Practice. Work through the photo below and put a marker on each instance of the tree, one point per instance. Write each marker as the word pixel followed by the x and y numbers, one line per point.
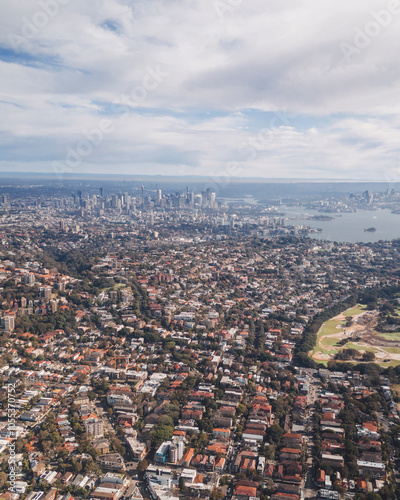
pixel 182 485
pixel 241 409
pixel 3 478
pixel 217 494
pixel 276 433
pixel 368 356
pixel 161 432
pixel 142 465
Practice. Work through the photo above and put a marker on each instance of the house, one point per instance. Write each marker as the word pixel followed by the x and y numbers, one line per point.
pixel 188 457
pixel 284 496
pixel 38 470
pixel 67 478
pixel 245 490
pixel 320 478
pixel 292 440
pixel 220 464
pixel 102 445
pixel 376 470
pixel 111 462
pixel 332 460
pixel 290 454
pixel 220 433
pixel 243 458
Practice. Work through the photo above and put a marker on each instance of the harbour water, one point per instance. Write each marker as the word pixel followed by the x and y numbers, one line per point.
pixel 348 226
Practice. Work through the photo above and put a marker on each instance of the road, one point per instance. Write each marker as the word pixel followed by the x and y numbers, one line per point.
pixel 309 489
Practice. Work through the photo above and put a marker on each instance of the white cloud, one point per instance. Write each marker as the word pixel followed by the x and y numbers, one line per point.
pixel 223 73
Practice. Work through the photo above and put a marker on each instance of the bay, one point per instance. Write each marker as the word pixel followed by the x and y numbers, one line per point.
pixel 348 226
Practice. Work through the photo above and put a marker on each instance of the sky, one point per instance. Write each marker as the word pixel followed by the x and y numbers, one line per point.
pixel 304 89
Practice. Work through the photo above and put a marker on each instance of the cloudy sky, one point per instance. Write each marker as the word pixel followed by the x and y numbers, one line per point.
pixel 304 89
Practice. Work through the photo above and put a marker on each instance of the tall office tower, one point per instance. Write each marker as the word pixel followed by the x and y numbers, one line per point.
pixel 159 196
pixel 114 201
pixel 212 200
pixel 62 225
pixel 101 192
pixel 142 188
pixel 151 219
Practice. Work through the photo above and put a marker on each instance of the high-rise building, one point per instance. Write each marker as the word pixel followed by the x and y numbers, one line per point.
pixel 29 279
pixel 212 200
pixel 181 449
pixel 8 323
pixel 45 292
pixel 159 196
pixel 173 454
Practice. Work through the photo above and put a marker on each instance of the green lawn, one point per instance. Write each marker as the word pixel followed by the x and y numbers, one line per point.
pixel 327 351
pixel 358 309
pixel 390 335
pixel 117 286
pixel 390 363
pixel 392 350
pixel 331 328
pixel 351 345
pixel 329 341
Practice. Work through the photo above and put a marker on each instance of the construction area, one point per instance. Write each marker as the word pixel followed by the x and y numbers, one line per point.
pixel 355 331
